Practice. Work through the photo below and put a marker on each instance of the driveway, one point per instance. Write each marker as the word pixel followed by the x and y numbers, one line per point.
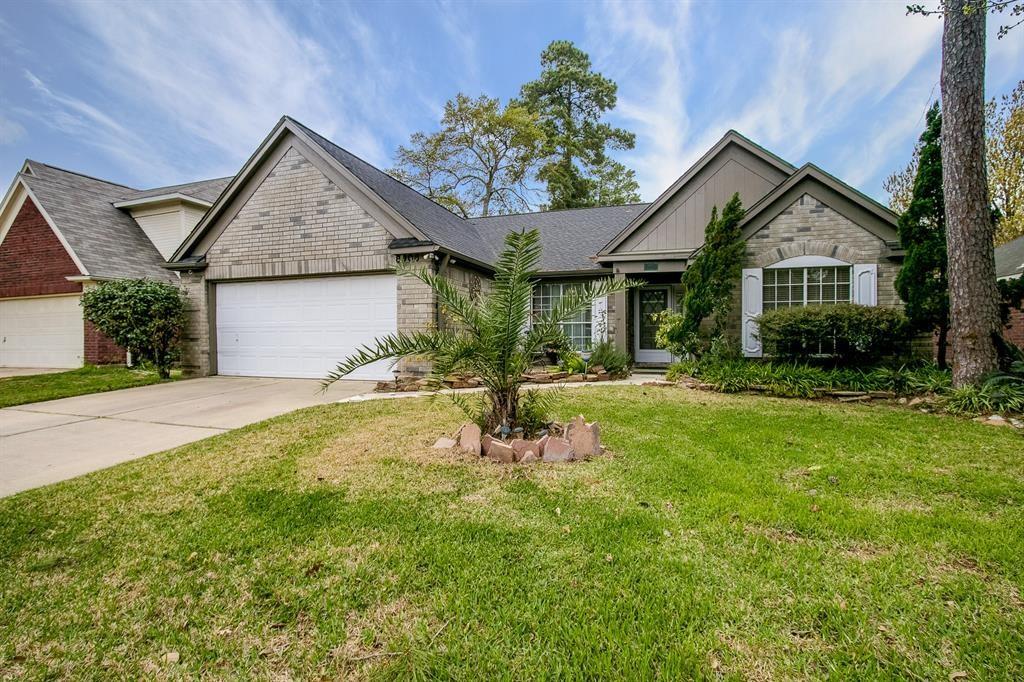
pixel 42 443
pixel 28 371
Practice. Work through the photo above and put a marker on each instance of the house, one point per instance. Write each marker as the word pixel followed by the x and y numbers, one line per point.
pixel 291 267
pixel 1010 265
pixel 289 270
pixel 60 233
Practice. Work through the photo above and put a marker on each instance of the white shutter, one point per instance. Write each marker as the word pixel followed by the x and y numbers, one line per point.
pixel 865 284
pixel 751 306
pixel 599 320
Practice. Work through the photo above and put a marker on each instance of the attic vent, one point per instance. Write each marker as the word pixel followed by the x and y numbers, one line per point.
pixel 650 267
pixel 27 169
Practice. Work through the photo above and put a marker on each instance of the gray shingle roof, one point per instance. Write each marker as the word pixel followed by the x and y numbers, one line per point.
pixel 107 241
pixel 204 190
pixel 568 238
pixel 442 226
pixel 1010 258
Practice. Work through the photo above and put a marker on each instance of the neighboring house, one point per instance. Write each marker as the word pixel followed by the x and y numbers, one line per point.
pixel 1010 265
pixel 291 268
pixel 61 232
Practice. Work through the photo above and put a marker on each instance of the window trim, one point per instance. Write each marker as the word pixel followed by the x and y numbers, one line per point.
pixel 805 283
pixel 588 324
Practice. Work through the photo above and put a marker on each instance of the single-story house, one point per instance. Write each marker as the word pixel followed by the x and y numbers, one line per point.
pixel 1010 265
pixel 291 267
pixel 60 233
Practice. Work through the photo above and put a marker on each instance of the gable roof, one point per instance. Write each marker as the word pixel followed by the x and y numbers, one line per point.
pixel 841 197
pixel 440 225
pixel 203 192
pixel 731 137
pixel 1010 259
pixel 107 241
pixel 569 238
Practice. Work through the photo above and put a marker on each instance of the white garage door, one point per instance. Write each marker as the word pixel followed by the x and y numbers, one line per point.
pixel 303 327
pixel 41 332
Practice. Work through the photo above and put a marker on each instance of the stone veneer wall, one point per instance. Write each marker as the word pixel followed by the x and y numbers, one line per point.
pixel 299 223
pixel 809 227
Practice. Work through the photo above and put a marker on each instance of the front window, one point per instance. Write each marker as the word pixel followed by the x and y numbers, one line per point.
pixel 577 328
pixel 788 287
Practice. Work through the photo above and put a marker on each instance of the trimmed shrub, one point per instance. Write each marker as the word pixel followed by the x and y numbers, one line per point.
pixel 611 358
pixel 844 332
pixel 140 315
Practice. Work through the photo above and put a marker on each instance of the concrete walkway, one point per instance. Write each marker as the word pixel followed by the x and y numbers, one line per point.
pixel 46 442
pixel 6 372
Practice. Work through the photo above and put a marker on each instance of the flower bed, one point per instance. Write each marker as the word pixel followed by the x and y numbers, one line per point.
pixel 573 441
pixel 540 375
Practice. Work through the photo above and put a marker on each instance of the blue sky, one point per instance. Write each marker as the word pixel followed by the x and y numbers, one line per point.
pixel 151 93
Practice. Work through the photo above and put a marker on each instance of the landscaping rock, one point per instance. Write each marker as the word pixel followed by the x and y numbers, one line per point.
pixel 848 394
pixel 555 376
pixel 854 398
pixel 469 438
pixel 584 438
pixel 541 443
pixel 485 444
pixel 501 452
pixel 993 420
pixel 444 443
pixel 574 378
pixel 884 395
pixel 558 450
pixel 521 446
pixel 529 458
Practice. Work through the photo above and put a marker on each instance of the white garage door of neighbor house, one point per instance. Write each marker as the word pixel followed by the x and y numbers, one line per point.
pixel 303 327
pixel 41 332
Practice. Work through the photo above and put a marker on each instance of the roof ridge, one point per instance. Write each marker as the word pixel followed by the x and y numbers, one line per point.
pixel 182 184
pixel 375 167
pixel 83 175
pixel 559 210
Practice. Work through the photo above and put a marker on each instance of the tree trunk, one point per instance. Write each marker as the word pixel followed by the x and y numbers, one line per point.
pixel 973 296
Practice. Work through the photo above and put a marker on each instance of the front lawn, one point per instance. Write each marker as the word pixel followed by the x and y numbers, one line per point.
pixel 89 379
pixel 725 536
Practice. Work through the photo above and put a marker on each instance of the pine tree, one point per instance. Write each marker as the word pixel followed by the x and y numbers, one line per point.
pixel 922 282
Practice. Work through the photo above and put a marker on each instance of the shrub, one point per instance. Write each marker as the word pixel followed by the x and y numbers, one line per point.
pixel 572 362
pixel 791 379
pixel 845 332
pixel 142 316
pixel 611 358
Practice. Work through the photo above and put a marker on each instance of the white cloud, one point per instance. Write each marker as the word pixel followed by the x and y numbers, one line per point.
pixel 655 109
pixel 10 131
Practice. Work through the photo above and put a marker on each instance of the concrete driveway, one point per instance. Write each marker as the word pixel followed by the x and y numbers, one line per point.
pixel 42 443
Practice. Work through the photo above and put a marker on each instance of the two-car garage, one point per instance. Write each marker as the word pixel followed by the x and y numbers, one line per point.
pixel 302 327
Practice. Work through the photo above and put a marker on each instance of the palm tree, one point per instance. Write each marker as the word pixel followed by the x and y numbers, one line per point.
pixel 492 337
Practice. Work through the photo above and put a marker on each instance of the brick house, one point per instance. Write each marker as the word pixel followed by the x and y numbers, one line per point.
pixel 1010 265
pixel 290 267
pixel 62 232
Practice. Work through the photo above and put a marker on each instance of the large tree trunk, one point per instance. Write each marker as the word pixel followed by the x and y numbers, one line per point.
pixel 973 296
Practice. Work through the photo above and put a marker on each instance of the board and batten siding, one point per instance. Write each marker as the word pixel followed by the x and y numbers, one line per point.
pixel 679 224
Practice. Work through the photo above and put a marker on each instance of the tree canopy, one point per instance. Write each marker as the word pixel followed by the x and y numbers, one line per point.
pixel 481 160
pixel 570 99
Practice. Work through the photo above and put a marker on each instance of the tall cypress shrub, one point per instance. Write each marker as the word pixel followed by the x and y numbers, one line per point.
pixel 922 282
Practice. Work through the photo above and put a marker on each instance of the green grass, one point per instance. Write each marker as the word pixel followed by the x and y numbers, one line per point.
pixel 89 379
pixel 738 537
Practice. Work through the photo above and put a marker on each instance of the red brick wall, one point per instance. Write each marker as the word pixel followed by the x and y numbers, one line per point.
pixel 1014 329
pixel 33 262
pixel 99 349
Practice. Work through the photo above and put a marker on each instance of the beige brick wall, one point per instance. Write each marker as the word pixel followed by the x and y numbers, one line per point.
pixel 298 223
pixel 417 311
pixel 809 227
pixel 195 358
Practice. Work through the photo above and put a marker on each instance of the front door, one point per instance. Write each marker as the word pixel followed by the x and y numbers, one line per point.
pixel 650 301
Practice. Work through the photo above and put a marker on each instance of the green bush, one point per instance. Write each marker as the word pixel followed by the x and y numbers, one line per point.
pixel 844 332
pixel 606 355
pixel 572 362
pixel 140 315
pixel 792 379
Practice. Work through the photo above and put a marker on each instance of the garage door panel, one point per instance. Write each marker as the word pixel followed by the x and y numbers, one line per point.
pixel 41 332
pixel 303 327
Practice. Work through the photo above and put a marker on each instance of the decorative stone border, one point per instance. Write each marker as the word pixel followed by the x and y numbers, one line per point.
pixel 577 440
pixel 410 383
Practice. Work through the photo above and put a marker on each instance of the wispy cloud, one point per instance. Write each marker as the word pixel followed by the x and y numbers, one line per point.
pixel 647 54
pixel 10 131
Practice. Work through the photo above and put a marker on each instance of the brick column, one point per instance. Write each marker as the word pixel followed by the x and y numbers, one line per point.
pixel 417 311
pixel 196 348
